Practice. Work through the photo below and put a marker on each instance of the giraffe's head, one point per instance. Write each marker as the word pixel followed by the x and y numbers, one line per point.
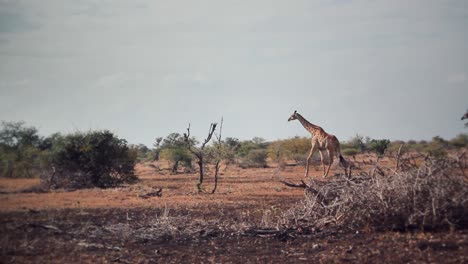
pixel 293 116
pixel 465 116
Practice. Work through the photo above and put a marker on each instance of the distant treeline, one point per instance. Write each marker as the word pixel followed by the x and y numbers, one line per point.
pixel 256 152
pixel 106 160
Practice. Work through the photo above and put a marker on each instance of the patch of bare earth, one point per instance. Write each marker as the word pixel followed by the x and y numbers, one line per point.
pixel 237 224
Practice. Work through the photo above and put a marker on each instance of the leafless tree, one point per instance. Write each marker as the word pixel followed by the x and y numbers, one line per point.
pixel 200 154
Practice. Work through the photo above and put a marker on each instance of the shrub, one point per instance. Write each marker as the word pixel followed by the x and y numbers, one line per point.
pixel 177 155
pixel 295 148
pixel 358 142
pixel 174 149
pixel 232 143
pixel 19 152
pixel 96 158
pixel 437 148
pixel 395 146
pixel 246 146
pixel 223 150
pixel 350 151
pixel 460 141
pixel 379 146
pixel 143 152
pixel 255 159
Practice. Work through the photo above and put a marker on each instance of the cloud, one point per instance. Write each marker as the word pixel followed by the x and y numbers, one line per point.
pixel 14 22
pixel 13 19
pixel 6 85
pixel 99 59
pixel 457 78
pixel 4 41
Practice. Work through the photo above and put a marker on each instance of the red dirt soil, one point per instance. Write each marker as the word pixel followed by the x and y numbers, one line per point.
pixel 182 226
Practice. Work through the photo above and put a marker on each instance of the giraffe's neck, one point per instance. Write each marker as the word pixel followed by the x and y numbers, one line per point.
pixel 313 129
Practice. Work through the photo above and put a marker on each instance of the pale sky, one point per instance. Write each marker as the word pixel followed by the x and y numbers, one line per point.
pixel 143 69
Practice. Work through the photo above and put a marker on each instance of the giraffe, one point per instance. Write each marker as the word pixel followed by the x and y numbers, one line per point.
pixel 465 116
pixel 321 140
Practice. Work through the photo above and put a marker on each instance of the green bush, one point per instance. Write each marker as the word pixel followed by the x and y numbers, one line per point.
pixel 96 158
pixel 350 151
pixel 246 146
pixel 395 146
pixel 143 152
pixel 460 141
pixel 437 148
pixel 177 155
pixel 20 155
pixel 256 158
pixel 174 149
pixel 296 148
pixel 379 145
pixel 358 142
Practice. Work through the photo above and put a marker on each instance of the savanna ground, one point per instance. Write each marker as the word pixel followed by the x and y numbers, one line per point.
pixel 236 224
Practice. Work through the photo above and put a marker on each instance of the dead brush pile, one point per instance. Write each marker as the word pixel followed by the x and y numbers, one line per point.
pixel 433 195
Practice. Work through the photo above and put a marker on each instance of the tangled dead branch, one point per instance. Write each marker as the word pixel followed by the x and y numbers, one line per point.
pixel 429 196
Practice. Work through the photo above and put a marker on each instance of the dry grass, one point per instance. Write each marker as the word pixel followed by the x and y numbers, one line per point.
pixel 236 186
pixel 431 195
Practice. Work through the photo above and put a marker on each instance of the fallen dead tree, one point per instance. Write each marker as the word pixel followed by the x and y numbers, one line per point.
pixel 432 195
pixel 157 193
pixel 295 185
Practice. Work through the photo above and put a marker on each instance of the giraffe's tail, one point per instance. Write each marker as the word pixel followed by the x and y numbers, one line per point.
pixel 343 161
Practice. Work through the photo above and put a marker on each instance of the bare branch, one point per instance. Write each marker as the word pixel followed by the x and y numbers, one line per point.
pixel 188 143
pixel 295 185
pixel 220 130
pixel 210 134
pixel 219 159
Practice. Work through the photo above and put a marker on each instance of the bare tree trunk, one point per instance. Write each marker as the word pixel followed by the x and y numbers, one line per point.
pixel 200 177
pixel 219 158
pixel 175 167
pixel 398 156
pixel 216 177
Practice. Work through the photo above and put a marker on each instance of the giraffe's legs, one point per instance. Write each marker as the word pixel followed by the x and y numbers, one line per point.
pixel 312 150
pixel 321 159
pixel 330 157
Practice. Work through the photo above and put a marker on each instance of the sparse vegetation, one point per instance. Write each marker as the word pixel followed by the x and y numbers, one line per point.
pixel 424 188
